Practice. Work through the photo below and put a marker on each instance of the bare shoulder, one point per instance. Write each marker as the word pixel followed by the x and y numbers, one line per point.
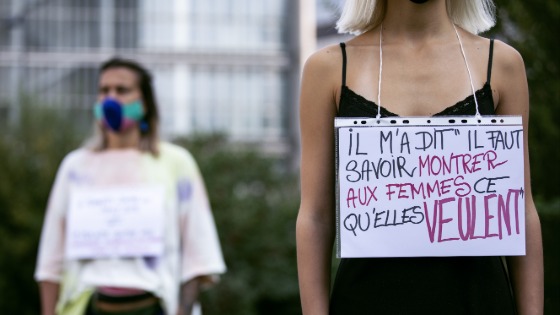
pixel 507 61
pixel 325 62
pixel 477 48
pixel 322 77
pixel 510 79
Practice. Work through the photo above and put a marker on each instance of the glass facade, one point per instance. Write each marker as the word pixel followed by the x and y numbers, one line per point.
pixel 219 65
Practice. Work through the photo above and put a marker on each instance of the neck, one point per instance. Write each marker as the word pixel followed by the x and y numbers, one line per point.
pixel 129 139
pixel 413 22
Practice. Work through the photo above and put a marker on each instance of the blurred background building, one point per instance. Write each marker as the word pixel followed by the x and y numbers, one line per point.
pixel 327 13
pixel 219 65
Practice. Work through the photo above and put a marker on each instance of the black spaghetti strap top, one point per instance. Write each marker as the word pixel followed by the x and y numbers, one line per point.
pixel 352 104
pixel 420 285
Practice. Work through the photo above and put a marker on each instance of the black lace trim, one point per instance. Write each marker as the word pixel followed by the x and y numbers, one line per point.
pixel 353 104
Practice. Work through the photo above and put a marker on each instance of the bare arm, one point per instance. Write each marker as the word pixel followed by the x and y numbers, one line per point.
pixel 189 295
pixel 526 272
pixel 49 297
pixel 315 222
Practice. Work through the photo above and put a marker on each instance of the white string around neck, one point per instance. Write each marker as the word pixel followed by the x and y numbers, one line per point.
pixel 381 71
pixel 468 70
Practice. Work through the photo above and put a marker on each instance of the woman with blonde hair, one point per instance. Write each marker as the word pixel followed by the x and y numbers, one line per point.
pixel 409 58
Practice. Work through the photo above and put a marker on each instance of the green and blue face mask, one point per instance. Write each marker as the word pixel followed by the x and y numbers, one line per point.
pixel 116 116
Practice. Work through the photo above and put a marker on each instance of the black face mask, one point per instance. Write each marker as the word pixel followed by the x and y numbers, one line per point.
pixel 419 1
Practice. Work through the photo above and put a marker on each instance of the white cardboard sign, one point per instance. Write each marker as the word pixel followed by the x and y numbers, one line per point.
pixel 115 222
pixel 450 186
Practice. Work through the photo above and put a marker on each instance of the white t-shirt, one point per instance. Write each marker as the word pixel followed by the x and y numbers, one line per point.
pixel 191 246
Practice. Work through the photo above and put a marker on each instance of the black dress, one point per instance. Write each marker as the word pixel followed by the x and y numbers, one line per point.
pixel 425 285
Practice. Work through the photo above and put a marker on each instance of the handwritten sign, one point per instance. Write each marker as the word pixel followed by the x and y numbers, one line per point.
pixel 450 186
pixel 115 222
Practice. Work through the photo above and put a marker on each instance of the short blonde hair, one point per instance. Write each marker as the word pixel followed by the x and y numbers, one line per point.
pixel 360 16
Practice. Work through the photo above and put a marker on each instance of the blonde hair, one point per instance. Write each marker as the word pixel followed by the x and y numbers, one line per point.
pixel 360 16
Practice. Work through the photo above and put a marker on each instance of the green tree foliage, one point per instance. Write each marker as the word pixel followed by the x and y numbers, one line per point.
pixel 30 153
pixel 531 27
pixel 550 221
pixel 254 203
